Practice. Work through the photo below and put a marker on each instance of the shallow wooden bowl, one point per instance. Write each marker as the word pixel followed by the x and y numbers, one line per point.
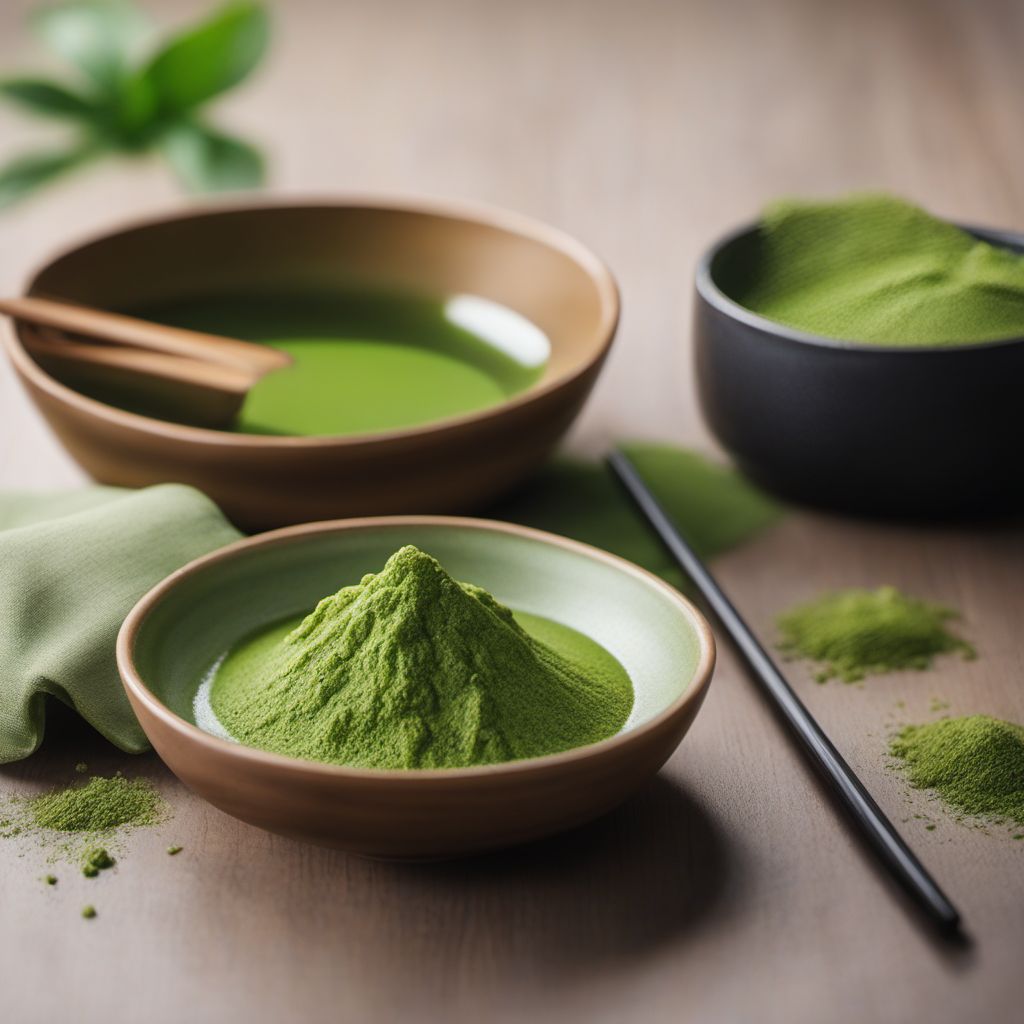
pixel 443 249
pixel 178 630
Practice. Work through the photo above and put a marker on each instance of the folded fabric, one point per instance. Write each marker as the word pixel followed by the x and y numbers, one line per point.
pixel 71 567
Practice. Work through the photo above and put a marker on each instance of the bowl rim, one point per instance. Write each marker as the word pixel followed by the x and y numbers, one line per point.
pixel 470 211
pixel 708 290
pixel 691 696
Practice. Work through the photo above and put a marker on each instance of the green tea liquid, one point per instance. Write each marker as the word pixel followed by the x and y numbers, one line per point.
pixel 366 362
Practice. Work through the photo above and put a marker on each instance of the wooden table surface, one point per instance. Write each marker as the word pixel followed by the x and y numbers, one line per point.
pixel 728 890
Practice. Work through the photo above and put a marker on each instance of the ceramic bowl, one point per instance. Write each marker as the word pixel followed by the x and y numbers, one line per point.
pixel 442 249
pixel 929 433
pixel 178 630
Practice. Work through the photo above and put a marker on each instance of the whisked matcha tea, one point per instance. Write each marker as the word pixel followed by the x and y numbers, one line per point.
pixel 367 361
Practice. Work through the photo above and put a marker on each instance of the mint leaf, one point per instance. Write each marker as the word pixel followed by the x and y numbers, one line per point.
pixel 98 37
pixel 206 160
pixel 26 173
pixel 48 98
pixel 209 59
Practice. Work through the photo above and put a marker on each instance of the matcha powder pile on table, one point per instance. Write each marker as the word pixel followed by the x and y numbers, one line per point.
pixel 99 806
pixel 411 669
pixel 975 764
pixel 856 633
pixel 79 819
pixel 876 269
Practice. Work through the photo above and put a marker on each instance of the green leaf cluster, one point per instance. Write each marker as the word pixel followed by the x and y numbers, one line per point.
pixel 128 97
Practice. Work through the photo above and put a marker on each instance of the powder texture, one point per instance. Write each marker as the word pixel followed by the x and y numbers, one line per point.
pixel 855 633
pixel 85 823
pixel 99 806
pixel 411 669
pixel 95 860
pixel 876 269
pixel 976 764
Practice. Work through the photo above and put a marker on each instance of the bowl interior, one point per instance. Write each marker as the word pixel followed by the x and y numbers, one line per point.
pixel 422 249
pixel 734 263
pixel 654 635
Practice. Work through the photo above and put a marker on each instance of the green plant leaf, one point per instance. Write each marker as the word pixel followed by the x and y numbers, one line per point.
pixel 50 99
pixel 26 173
pixel 209 59
pixel 127 118
pixel 206 160
pixel 98 37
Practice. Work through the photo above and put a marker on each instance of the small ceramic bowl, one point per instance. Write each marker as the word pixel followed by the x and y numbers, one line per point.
pixel 929 433
pixel 430 248
pixel 179 629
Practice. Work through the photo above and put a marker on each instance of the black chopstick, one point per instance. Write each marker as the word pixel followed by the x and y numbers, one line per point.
pixel 874 826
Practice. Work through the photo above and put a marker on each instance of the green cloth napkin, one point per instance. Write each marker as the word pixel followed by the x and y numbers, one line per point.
pixel 876 269
pixel 71 567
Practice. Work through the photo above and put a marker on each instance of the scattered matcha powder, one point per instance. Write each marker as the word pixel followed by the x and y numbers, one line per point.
pixel 50 879
pixel 96 860
pixel 88 911
pixel 82 823
pixel 856 633
pixel 975 764
pixel 81 768
pixel 174 850
pixel 411 669
pixel 9 828
pixel 98 806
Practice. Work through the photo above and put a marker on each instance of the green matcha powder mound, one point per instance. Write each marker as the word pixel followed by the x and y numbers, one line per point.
pixel 855 633
pixel 99 806
pixel 411 669
pixel 873 268
pixel 976 764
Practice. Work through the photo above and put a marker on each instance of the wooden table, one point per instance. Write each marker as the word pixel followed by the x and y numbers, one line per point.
pixel 729 890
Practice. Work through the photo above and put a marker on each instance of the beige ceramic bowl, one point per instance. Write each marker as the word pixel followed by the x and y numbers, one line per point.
pixel 178 630
pixel 441 249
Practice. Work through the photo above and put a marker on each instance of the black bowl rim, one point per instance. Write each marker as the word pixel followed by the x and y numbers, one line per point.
pixel 709 291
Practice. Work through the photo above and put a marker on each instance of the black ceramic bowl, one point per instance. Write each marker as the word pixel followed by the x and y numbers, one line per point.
pixel 928 433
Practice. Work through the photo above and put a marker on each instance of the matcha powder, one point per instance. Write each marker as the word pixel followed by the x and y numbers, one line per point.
pixel 101 805
pixel 975 764
pixel 411 669
pixel 876 269
pixel 856 633
pixel 79 822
